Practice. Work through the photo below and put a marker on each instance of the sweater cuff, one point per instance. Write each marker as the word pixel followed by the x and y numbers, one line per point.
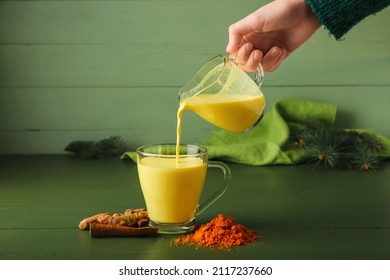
pixel 339 16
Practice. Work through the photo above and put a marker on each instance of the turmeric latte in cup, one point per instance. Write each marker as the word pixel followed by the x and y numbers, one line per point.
pixel 172 184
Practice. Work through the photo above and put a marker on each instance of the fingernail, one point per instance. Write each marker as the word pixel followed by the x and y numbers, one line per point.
pixel 257 55
pixel 233 55
pixel 284 53
pixel 276 52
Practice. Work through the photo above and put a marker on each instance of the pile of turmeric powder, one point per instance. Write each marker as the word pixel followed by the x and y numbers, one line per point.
pixel 221 233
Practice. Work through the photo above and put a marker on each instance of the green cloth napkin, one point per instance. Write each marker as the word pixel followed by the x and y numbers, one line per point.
pixel 268 143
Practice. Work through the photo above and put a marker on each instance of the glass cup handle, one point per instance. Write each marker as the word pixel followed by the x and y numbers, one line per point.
pixel 226 179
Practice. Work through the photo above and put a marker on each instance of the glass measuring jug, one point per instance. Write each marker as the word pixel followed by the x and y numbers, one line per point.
pixel 224 95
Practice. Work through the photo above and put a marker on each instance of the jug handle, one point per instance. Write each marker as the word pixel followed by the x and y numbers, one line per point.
pixel 259 76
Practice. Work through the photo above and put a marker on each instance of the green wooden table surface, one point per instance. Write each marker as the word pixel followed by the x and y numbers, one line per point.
pixel 300 212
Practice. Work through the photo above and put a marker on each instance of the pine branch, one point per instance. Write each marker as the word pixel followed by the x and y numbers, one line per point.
pixel 106 148
pixel 338 148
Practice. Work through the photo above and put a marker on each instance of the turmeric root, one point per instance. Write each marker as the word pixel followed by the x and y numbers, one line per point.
pixel 84 224
pixel 130 218
pixel 105 230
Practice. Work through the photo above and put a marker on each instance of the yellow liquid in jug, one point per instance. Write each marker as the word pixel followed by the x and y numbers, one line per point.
pixel 172 187
pixel 232 112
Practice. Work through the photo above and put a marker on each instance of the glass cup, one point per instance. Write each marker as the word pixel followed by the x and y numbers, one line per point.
pixel 172 184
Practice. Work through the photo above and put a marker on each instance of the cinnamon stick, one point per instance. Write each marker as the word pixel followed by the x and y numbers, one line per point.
pixel 107 230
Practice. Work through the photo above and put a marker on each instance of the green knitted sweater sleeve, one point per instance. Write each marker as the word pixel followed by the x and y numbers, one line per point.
pixel 339 16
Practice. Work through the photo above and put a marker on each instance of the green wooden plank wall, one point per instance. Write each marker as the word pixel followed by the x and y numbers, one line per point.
pixel 75 70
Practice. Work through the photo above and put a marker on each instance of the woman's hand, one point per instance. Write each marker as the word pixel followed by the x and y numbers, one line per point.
pixel 271 34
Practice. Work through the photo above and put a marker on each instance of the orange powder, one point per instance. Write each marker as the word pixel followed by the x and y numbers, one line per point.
pixel 222 233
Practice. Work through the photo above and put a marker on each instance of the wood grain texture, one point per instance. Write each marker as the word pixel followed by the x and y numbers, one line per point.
pixel 90 69
pixel 81 188
pixel 148 115
pixel 300 212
